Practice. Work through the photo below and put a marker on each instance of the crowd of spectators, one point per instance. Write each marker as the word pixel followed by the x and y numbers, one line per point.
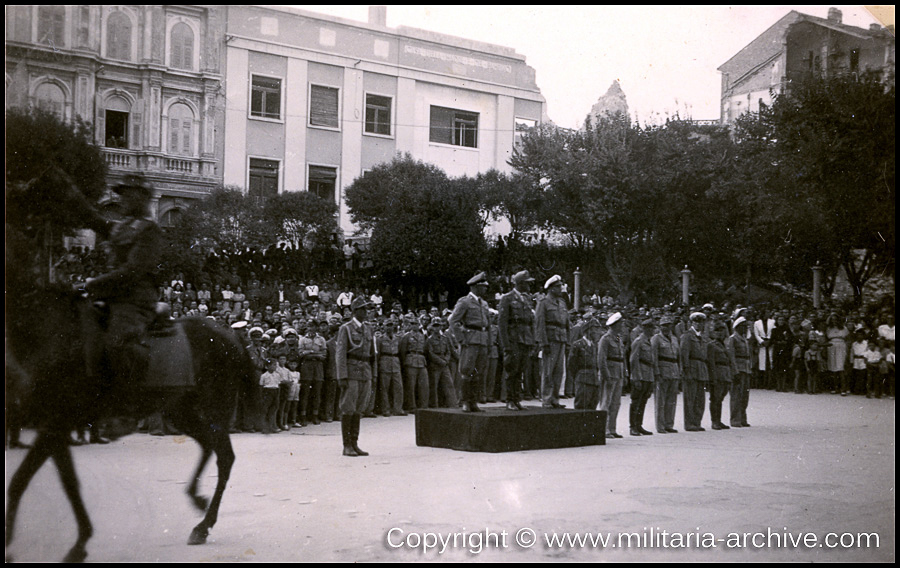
pixel 801 350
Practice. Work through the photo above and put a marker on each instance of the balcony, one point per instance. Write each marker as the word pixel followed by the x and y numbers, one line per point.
pixel 122 160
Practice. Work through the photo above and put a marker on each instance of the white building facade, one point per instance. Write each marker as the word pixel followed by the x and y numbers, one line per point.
pixel 314 101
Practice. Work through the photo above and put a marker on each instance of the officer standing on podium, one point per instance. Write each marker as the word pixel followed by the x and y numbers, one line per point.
pixel 516 329
pixel 470 323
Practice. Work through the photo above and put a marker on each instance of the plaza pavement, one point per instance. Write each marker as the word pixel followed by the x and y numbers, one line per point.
pixel 809 464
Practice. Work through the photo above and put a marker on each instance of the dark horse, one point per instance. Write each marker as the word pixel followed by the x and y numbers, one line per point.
pixel 48 370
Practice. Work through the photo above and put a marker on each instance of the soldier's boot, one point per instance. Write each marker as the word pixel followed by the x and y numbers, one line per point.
pixel 346 429
pixel 355 436
pixel 640 422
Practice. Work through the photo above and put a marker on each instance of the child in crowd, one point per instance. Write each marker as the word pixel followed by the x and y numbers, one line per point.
pixel 293 393
pixel 858 370
pixel 268 408
pixel 874 378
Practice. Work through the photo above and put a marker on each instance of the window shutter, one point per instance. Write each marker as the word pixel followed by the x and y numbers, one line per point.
pixel 186 137
pixel 173 135
pixel 323 106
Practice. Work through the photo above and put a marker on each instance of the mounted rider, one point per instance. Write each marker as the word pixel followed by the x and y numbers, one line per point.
pixel 129 287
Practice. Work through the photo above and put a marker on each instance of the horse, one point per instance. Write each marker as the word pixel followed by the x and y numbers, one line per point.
pixel 49 370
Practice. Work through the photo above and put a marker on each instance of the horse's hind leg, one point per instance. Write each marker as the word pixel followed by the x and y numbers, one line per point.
pixel 63 458
pixel 199 501
pixel 33 461
pixel 224 460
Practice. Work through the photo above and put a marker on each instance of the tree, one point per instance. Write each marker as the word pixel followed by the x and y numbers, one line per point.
pixel 53 171
pixel 301 218
pixel 513 197
pixel 425 227
pixel 833 141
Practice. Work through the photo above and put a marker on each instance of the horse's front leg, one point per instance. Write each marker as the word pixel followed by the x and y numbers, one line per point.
pixel 199 501
pixel 59 450
pixel 224 461
pixel 33 461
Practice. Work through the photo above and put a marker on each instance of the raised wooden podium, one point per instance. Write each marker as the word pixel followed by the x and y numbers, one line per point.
pixel 502 430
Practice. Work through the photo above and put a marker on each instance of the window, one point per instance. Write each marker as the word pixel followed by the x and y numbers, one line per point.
pixel 854 60
pixel 52 25
pixel 323 106
pixel 378 115
pixel 118 36
pixel 265 98
pixel 181 53
pixel 116 129
pixel 456 127
pixel 323 181
pixel 170 218
pixel 263 179
pixel 181 122
pixel 50 97
pixel 523 125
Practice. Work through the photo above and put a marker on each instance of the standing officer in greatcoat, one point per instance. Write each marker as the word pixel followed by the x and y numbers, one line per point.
pixel 354 359
pixel 696 373
pixel 516 330
pixel 551 332
pixel 470 323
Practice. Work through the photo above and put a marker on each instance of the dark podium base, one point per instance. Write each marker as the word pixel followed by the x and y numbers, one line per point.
pixel 501 430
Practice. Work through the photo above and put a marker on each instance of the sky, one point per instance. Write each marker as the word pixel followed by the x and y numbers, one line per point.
pixel 664 57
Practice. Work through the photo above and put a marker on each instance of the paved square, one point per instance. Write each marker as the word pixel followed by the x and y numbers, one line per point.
pixel 809 464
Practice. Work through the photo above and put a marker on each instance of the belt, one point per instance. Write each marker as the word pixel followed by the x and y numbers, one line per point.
pixel 668 359
pixel 394 355
pixel 646 362
pixel 476 327
pixel 698 359
pixel 859 356
pixel 741 356
pixel 356 357
pixel 415 352
pixel 617 359
pixel 553 324
pixel 723 364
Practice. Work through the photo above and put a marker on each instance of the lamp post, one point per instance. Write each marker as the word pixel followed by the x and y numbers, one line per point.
pixel 577 288
pixel 686 286
pixel 817 286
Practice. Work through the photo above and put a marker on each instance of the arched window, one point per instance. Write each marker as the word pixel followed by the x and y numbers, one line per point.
pixel 181 54
pixel 51 98
pixel 181 121
pixel 117 115
pixel 170 218
pixel 52 25
pixel 118 36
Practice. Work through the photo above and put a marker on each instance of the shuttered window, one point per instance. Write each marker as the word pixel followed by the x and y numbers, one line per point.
pixel 323 181
pixel 181 53
pixel 118 36
pixel 181 119
pixel 323 106
pixel 52 25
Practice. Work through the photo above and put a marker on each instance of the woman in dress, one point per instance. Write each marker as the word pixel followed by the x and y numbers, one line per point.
pixel 836 332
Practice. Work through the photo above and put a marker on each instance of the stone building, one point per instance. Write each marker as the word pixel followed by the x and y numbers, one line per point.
pixel 795 46
pixel 148 78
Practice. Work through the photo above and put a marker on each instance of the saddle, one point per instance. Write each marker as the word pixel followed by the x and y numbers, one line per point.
pixel 170 356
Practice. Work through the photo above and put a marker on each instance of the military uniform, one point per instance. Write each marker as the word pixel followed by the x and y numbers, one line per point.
pixel 720 373
pixel 130 293
pixel 516 334
pixel 611 362
pixel 551 332
pixel 354 359
pixel 696 375
pixel 313 353
pixel 389 374
pixel 582 368
pixel 642 379
pixel 667 370
pixel 437 353
pixel 415 383
pixel 470 323
pixel 739 351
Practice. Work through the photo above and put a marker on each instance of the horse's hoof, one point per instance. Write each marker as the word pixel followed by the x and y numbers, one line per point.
pixel 76 555
pixel 198 537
